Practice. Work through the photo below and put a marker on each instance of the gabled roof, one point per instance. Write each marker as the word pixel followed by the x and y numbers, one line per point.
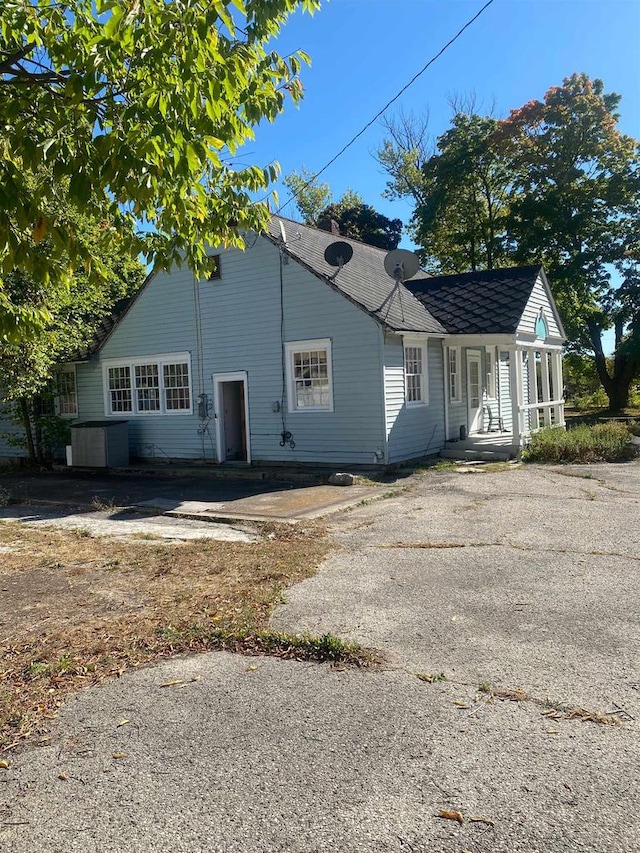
pixel 484 302
pixel 362 281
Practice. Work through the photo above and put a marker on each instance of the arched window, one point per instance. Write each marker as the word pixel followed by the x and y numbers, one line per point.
pixel 542 327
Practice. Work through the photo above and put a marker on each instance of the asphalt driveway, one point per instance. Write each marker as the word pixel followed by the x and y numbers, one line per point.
pixel 524 578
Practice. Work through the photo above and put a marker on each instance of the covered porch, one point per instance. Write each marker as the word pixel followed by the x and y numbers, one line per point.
pixel 500 391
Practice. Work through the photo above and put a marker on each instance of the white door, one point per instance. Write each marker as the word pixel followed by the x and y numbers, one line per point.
pixel 474 391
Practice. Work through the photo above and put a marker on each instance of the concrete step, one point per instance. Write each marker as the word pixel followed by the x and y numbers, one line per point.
pixel 475 455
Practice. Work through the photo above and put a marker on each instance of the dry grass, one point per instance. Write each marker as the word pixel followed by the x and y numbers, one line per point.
pixel 77 609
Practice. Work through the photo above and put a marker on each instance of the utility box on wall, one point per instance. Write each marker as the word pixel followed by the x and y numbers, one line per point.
pixel 100 444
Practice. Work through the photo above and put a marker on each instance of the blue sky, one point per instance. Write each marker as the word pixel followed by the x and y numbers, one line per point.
pixel 364 51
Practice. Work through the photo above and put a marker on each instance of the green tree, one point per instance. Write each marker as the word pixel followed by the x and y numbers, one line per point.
pixel 577 210
pixel 74 312
pixel 460 189
pixel 310 197
pixel 361 222
pixel 142 106
pixel 353 217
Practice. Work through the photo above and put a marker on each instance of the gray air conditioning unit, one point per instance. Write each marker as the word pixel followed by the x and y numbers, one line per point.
pixel 100 444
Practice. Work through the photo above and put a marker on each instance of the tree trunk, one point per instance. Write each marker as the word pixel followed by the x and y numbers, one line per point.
pixel 625 367
pixel 26 423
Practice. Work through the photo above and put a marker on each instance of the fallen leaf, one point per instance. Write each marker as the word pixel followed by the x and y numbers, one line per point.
pixel 481 819
pixel 4 764
pixel 122 723
pixel 250 668
pixel 62 776
pixel 172 683
pixel 450 814
pixel 460 703
pixel 553 731
pixel 120 754
pixel 198 677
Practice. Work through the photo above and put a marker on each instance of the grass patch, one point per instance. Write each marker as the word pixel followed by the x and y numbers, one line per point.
pixel 608 442
pixel 80 609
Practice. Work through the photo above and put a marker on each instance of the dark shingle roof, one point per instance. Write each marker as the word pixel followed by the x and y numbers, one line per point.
pixel 363 280
pixel 486 302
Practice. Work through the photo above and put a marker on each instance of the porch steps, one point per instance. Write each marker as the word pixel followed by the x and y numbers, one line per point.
pixel 475 455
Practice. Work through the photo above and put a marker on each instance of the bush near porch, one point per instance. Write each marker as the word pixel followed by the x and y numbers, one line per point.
pixel 609 442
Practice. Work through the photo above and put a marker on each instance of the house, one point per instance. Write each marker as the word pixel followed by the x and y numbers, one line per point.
pixel 281 357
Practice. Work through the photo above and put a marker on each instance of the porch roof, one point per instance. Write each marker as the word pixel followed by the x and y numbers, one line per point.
pixel 483 302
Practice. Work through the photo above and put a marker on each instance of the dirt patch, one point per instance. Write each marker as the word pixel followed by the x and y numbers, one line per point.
pixel 76 609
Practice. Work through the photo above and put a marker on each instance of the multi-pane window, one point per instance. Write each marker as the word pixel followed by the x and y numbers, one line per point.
pixel 177 395
pixel 153 386
pixel 309 376
pixel 455 388
pixel 147 387
pixel 120 389
pixel 66 395
pixel 414 374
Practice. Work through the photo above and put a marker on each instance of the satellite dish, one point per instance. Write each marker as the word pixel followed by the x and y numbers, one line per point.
pixel 338 254
pixel 401 264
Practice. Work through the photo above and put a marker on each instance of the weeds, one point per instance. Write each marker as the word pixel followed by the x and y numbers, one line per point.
pixel 608 442
pixel 129 606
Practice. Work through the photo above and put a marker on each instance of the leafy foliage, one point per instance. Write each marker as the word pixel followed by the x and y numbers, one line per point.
pixel 353 217
pixel 74 311
pixel 576 208
pixel 555 183
pixel 311 198
pixel 599 443
pixel 141 106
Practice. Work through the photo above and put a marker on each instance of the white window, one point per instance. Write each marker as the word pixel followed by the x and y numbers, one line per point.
pixel 415 374
pixel 66 393
pixel 159 384
pixel 455 385
pixel 490 369
pixel 308 367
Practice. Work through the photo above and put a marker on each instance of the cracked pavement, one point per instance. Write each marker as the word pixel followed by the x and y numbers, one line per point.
pixel 521 578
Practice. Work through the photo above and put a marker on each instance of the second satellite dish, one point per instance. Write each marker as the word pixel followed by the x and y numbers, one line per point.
pixel 338 254
pixel 401 264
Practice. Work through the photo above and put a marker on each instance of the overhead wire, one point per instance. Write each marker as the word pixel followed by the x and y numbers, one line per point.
pixel 386 106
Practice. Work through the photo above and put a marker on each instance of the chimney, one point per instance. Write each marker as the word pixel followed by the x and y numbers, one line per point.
pixel 334 228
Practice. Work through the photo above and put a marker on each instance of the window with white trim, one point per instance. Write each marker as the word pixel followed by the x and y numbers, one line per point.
pixel 455 385
pixel 490 369
pixel 66 393
pixel 415 373
pixel 308 369
pixel 147 386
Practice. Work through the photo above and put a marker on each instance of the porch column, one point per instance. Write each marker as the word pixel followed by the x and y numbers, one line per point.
pixel 534 421
pixel 556 376
pixel 546 386
pixel 515 375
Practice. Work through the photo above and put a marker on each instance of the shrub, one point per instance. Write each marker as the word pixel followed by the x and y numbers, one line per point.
pixel 600 443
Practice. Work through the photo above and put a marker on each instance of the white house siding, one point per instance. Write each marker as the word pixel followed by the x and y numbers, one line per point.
pixel 412 431
pixel 241 321
pixel 537 300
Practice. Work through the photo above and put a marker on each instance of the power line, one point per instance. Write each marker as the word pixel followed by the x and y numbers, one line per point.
pixel 386 106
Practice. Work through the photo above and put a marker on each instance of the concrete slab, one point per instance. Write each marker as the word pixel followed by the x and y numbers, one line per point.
pixel 119 523
pixel 198 497
pixel 286 505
